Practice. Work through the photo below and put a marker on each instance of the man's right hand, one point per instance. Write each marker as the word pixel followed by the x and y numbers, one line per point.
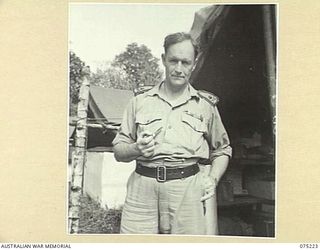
pixel 146 143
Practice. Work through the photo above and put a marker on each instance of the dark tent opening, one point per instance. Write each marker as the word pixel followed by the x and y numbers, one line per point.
pixel 235 67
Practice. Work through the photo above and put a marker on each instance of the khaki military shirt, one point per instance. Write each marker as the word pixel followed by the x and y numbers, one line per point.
pixel 185 131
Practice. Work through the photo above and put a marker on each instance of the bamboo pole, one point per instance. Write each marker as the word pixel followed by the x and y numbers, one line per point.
pixel 99 125
pixel 79 157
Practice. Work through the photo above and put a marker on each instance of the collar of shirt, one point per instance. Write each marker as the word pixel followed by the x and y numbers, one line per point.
pixel 189 93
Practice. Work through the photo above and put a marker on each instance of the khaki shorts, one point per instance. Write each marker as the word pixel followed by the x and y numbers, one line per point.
pixel 172 207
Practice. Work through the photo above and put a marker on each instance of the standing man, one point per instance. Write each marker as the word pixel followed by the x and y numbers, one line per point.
pixel 168 130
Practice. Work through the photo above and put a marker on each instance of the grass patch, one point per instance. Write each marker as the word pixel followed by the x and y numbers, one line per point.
pixel 96 220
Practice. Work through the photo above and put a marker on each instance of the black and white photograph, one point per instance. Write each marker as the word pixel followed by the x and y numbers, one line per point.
pixel 172 119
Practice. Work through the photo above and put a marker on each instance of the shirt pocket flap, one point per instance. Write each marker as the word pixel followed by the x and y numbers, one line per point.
pixel 194 122
pixel 148 118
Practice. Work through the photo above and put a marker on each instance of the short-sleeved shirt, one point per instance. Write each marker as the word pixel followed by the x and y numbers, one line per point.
pixel 185 131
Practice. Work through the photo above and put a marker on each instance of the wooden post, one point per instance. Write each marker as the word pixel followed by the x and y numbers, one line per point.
pixel 270 50
pixel 79 157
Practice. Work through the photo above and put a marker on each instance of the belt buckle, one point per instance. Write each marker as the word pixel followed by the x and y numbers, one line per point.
pixel 161 173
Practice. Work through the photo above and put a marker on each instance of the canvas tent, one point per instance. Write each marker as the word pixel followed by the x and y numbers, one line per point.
pixel 106 106
pixel 105 110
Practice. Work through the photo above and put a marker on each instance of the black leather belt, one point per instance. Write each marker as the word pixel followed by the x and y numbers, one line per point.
pixel 162 173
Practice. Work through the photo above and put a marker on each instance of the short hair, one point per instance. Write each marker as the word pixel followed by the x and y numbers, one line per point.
pixel 178 37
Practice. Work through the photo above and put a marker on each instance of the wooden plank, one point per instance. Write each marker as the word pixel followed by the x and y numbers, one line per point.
pixel 241 201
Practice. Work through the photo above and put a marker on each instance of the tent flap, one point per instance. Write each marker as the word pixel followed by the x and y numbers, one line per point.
pixel 206 25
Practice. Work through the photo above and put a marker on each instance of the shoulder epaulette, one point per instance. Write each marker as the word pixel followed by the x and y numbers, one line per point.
pixel 142 90
pixel 209 97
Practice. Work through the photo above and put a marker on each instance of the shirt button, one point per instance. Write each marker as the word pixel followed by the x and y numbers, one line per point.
pixel 169 127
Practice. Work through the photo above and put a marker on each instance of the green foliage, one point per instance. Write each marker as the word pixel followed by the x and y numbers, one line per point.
pixel 111 77
pixel 133 68
pixel 76 73
pixel 140 65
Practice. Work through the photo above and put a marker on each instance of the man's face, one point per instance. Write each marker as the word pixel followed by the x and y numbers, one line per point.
pixel 178 62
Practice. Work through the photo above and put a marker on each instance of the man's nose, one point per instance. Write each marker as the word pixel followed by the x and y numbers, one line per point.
pixel 178 68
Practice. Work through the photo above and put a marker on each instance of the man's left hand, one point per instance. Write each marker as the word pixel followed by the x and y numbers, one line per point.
pixel 209 187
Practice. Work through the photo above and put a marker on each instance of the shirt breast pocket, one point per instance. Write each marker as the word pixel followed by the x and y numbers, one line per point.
pixel 194 130
pixel 193 123
pixel 151 122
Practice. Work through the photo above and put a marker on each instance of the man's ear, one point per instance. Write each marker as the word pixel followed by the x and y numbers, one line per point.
pixel 163 57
